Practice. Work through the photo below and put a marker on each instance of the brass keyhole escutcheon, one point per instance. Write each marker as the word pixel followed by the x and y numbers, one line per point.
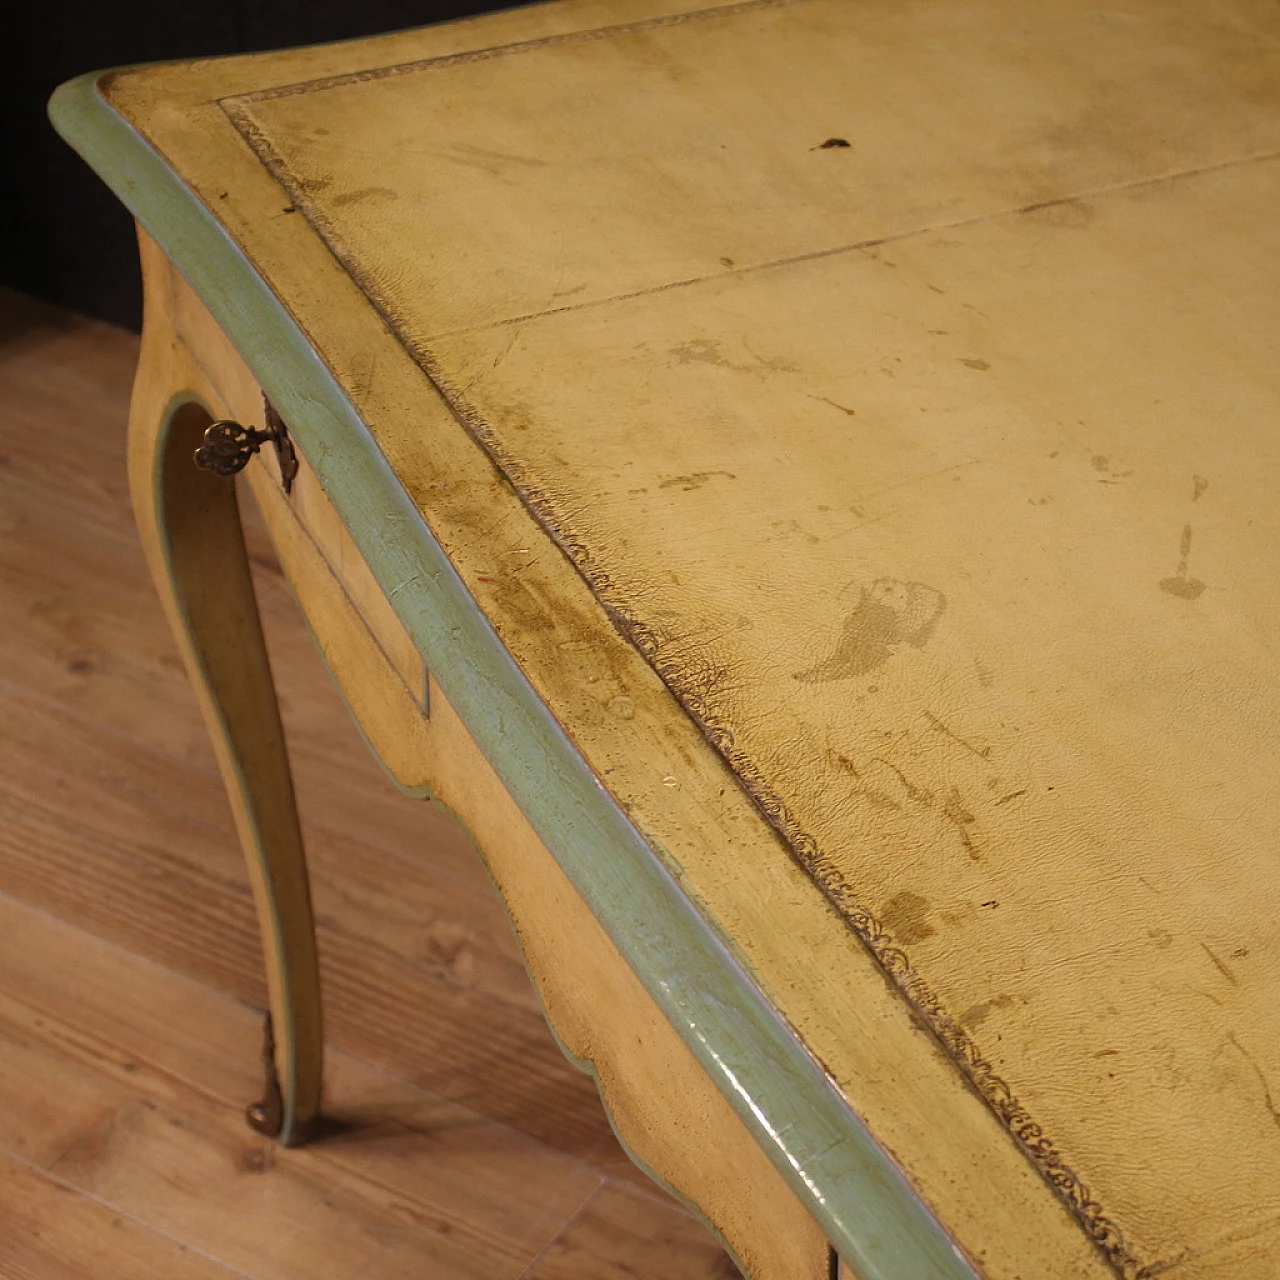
pixel 227 446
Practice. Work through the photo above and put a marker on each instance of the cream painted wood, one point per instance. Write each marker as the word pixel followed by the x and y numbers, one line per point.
pixel 390 718
pixel 665 1109
pixel 997 664
pixel 224 370
pixel 362 640
pixel 190 529
pixel 317 516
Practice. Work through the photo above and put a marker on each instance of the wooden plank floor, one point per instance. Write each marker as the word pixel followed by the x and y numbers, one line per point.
pixel 130 985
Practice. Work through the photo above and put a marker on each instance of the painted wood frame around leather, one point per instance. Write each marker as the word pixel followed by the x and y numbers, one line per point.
pixel 871 1214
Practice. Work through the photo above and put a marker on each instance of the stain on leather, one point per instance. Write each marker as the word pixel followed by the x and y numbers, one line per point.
pixel 363 196
pixel 977 1014
pixel 495 162
pixel 1181 584
pixel 957 813
pixel 694 481
pixel 710 351
pixel 1220 964
pixel 905 915
pixel 983 753
pixel 1267 1096
pixel 888 615
pixel 1071 214
pixel 1101 462
pixel 849 413
pixel 702 351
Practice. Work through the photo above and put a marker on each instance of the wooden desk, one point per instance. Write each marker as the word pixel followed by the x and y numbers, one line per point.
pixel 799 481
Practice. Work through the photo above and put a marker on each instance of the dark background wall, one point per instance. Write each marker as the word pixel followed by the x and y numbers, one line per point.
pixel 63 236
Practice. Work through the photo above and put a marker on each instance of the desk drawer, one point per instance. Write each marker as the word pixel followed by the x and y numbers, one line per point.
pixel 320 523
pixel 378 669
pixel 375 663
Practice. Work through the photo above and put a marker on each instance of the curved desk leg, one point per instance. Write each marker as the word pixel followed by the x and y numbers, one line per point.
pixel 190 527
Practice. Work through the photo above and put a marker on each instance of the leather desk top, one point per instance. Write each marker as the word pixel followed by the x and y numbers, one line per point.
pixel 859 423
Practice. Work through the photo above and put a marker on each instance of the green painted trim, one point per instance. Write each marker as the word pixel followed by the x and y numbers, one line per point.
pixel 819 1144
pixel 586 1065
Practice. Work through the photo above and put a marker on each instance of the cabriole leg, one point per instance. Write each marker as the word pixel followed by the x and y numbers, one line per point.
pixel 190 526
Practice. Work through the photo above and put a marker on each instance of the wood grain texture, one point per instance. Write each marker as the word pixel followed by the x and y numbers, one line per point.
pixel 155 1134
pixel 51 1229
pixel 590 1242
pixel 114 822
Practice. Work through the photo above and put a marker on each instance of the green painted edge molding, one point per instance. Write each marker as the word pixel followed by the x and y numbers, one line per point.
pixel 854 1191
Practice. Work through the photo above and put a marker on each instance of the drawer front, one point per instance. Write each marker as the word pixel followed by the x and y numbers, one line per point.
pixel 376 665
pixel 318 520
pixel 380 673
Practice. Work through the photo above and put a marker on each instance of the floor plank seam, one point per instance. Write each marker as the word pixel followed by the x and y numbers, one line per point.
pixel 221 1100
pixel 209 772
pixel 116 1210
pixel 536 1261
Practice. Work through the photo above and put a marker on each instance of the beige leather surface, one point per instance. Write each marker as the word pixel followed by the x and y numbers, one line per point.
pixel 935 474
pixel 985 617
